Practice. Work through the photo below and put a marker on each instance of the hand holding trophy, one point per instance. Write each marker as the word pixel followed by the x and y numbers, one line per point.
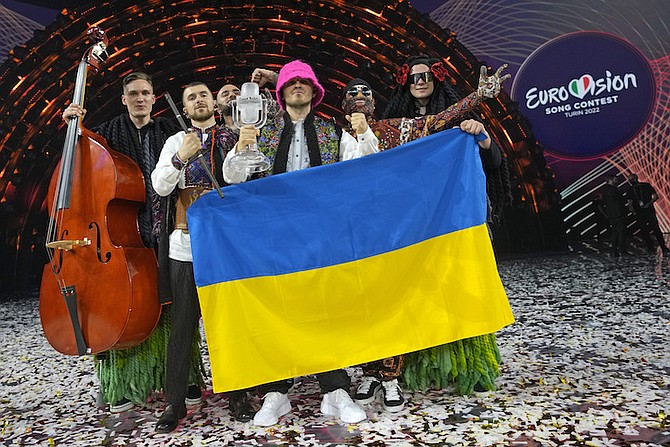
pixel 249 109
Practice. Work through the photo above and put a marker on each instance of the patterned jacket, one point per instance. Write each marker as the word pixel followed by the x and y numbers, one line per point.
pixel 278 132
pixel 393 132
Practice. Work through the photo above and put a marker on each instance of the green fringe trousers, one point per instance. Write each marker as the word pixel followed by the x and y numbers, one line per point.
pixel 463 364
pixel 136 372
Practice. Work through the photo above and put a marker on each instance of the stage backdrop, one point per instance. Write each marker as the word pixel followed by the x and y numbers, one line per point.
pixel 624 45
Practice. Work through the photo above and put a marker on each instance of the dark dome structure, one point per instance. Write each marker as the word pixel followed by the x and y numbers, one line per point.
pixel 220 42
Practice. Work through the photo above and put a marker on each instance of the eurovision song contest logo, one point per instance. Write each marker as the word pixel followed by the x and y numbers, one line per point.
pixel 586 94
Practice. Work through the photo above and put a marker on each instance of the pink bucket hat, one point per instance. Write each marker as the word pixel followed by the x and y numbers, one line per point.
pixel 298 69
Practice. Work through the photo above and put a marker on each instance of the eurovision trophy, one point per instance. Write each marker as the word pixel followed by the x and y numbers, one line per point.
pixel 250 108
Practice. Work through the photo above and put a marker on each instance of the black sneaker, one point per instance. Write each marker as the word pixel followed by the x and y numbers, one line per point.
pixel 193 395
pixel 393 398
pixel 367 390
pixel 121 406
pixel 479 388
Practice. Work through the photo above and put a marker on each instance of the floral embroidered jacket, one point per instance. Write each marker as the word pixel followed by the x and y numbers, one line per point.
pixel 393 132
pixel 326 134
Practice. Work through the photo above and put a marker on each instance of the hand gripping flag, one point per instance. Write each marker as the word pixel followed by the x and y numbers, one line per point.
pixel 338 265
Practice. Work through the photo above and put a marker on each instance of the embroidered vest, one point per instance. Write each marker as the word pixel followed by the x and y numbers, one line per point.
pixel 326 134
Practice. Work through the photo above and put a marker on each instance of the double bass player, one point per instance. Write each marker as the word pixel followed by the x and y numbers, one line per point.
pixel 140 136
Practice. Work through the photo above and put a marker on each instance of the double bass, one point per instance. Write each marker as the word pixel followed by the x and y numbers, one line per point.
pixel 100 288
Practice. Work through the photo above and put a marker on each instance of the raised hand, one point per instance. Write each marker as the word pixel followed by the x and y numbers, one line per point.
pixel 489 86
pixel 248 134
pixel 189 147
pixel 262 76
pixel 358 122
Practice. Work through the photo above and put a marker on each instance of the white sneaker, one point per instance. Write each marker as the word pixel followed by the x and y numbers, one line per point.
pixel 393 398
pixel 275 405
pixel 338 403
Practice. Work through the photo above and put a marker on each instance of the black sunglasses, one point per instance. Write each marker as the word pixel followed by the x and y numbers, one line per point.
pixel 427 76
pixel 356 89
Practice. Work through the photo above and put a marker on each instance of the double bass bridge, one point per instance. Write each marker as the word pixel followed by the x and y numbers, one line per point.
pixel 68 244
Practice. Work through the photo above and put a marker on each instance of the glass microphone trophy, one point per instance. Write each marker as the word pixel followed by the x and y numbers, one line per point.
pixel 250 108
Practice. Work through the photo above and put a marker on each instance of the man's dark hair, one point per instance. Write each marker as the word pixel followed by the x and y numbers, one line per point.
pixel 401 104
pixel 194 84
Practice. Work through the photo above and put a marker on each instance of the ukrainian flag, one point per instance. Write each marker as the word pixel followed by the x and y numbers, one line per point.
pixel 338 265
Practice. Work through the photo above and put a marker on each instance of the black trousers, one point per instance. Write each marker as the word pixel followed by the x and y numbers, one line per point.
pixel 649 226
pixel 329 381
pixel 184 321
pixel 618 235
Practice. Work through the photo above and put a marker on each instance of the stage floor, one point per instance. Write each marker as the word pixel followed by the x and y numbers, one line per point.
pixel 587 363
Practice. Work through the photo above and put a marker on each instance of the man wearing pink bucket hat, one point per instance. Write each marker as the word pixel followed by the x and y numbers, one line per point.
pixel 298 70
pixel 295 139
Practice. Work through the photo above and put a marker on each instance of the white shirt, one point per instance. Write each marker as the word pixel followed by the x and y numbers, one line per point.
pixel 364 144
pixel 165 178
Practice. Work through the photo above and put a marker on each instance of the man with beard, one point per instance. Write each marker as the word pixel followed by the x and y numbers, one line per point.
pixel 293 140
pixel 175 171
pixel 227 94
pixel 363 143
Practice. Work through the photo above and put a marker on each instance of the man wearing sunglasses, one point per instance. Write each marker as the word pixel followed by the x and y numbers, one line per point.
pixel 358 99
pixel 380 378
pixel 358 105
pixel 418 106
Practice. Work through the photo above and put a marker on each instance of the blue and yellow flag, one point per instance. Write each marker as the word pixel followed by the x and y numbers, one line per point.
pixel 338 265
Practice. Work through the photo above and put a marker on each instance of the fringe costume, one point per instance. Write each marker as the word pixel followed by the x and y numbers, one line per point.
pixel 136 372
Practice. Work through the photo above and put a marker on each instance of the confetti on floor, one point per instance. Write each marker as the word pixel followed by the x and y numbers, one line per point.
pixel 587 363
